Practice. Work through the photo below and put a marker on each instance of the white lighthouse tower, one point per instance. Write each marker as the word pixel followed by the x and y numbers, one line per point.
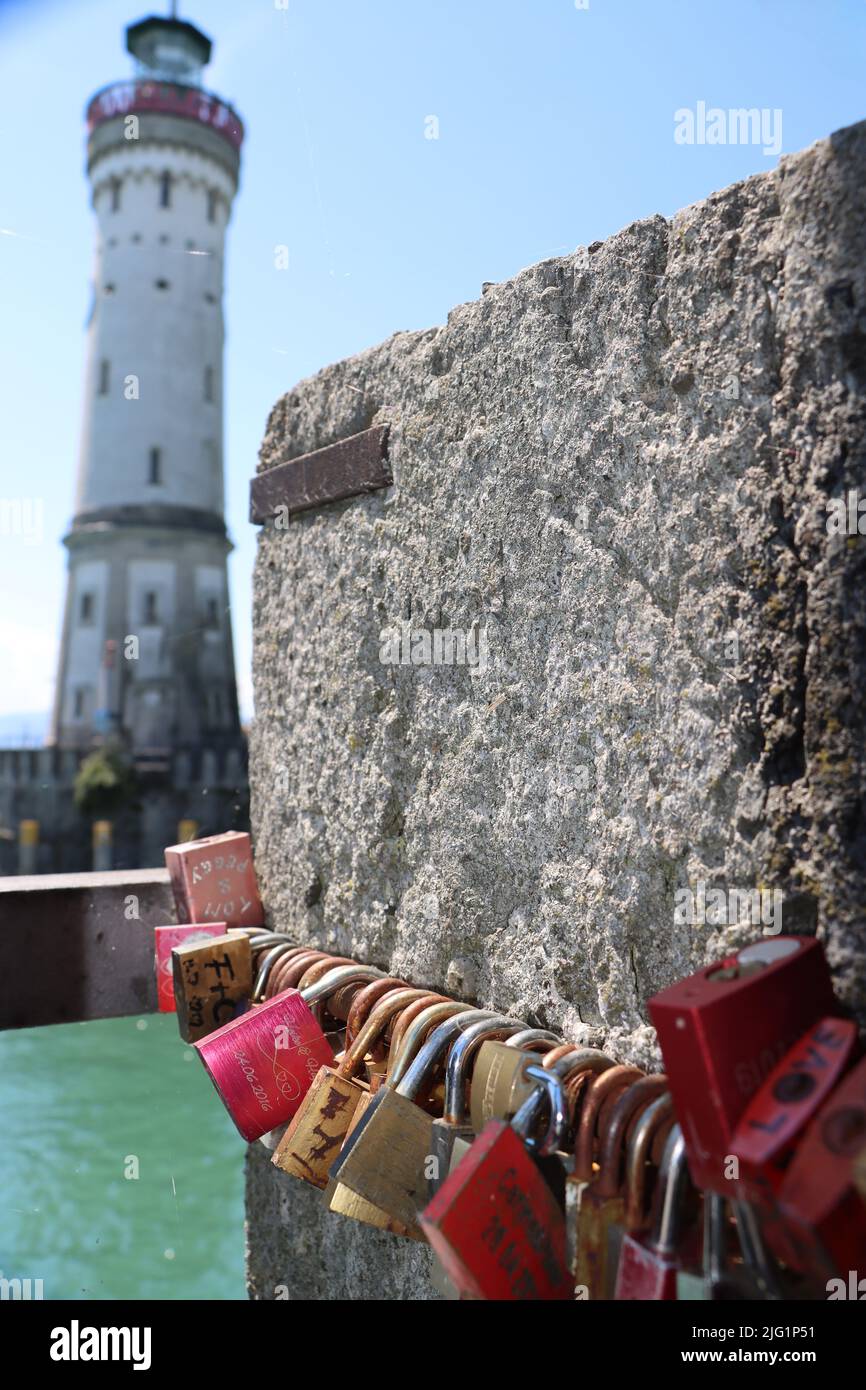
pixel 146 653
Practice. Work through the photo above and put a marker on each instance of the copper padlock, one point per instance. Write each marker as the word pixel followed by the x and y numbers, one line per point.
pixel 603 1203
pixel 608 1080
pixel 499 1085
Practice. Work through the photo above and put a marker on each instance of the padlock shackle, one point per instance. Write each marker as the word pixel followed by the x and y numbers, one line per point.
pixel 671 1190
pixel 463 1051
pixel 341 975
pixel 606 1083
pixel 266 966
pixel 363 1000
pixel 528 1037
pixel 433 1050
pixel 291 969
pixel 640 1144
pixel 397 1057
pixel 317 969
pixel 374 1028
pixel 633 1100
pixel 551 1089
pixel 415 1034
pixel 754 1250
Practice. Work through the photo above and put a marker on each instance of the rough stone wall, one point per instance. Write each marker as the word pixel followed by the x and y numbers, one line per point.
pixel 617 466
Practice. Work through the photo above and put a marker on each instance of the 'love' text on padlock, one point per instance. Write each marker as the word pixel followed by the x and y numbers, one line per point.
pixel 213 880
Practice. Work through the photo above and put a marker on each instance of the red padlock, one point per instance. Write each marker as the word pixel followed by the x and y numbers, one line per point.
pixel 263 1063
pixel 724 1029
pixel 165 939
pixel 648 1265
pixel 766 1137
pixel 494 1223
pixel 818 1202
pixel 214 880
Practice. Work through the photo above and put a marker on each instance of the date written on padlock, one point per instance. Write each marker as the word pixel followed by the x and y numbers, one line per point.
pixel 213 880
pixel 725 1028
pixel 766 1137
pixel 263 1064
pixel 212 984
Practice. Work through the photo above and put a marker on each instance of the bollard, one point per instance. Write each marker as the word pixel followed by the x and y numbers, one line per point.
pixel 28 846
pixel 101 845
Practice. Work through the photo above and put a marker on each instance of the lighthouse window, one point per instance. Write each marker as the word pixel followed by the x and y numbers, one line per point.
pixel 85 610
pixel 211 206
pixel 78 705
pixel 104 374
pixel 209 298
pixel 108 289
pixel 208 383
pixel 115 195
pixel 212 613
pixel 150 612
pixel 165 190
pixel 155 467
pixel 161 284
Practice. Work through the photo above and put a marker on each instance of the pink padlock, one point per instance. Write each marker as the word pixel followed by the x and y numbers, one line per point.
pixel 213 880
pixel 263 1063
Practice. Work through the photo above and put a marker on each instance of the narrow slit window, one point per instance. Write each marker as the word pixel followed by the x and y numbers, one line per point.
pixel 154 464
pixel 212 613
pixel 115 195
pixel 78 705
pixel 85 610
pixel 104 376
pixel 165 190
pixel 151 614
pixel 211 205
pixel 208 383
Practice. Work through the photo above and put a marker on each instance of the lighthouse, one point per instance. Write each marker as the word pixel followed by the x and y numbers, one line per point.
pixel 146 652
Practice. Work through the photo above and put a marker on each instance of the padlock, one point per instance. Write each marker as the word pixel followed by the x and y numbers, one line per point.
pixel 602 1207
pixel 725 1028
pixel 213 880
pixel 385 1158
pixel 212 984
pixel 499 1086
pixel 652 1127
pixel 454 1122
pixel 164 940
pixel 406 1042
pixel 319 1126
pixel 648 1265
pixel 263 1063
pixel 608 1080
pixel 494 1223
pixel 766 1136
pixel 363 1000
pixel 824 1231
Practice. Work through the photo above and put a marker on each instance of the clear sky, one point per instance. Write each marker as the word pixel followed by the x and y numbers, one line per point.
pixel 555 128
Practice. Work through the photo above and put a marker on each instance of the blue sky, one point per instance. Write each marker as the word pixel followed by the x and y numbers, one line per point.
pixel 556 128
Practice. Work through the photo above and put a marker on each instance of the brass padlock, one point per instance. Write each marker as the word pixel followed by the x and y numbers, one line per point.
pixel 318 1128
pixel 499 1085
pixel 212 984
pixel 454 1122
pixel 386 1158
pixel 423 1015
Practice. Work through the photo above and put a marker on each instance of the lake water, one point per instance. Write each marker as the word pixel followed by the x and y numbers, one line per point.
pixel 80 1103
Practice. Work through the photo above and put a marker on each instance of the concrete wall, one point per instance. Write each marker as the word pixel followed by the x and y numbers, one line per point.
pixel 616 470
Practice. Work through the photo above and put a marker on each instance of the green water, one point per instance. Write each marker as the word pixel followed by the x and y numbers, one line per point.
pixel 79 1103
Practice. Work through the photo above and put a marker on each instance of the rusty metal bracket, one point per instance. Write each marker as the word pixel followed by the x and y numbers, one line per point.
pixel 351 468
